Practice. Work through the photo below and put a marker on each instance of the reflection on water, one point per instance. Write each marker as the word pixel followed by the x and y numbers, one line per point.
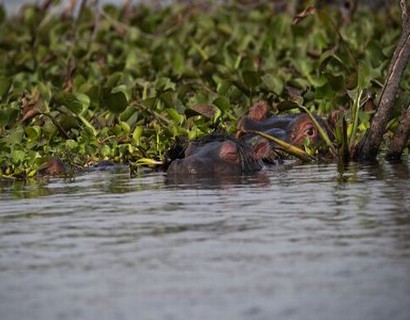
pixel 291 242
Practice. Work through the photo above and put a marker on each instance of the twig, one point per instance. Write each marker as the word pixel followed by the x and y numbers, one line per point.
pixel 55 122
pixel 369 147
pixel 288 148
pixel 156 115
pixel 400 138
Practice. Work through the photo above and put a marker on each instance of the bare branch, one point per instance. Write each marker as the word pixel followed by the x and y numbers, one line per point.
pixel 400 138
pixel 369 148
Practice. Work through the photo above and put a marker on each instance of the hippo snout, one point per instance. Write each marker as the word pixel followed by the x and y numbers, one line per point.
pixel 188 166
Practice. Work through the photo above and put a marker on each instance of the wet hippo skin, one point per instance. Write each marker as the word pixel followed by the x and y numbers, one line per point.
pixel 218 155
pixel 293 128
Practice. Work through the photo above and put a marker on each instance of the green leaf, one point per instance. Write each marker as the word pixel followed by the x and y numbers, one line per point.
pixel 113 80
pixel 45 91
pixel 94 93
pixel 164 84
pixel 273 83
pixel 71 144
pixel 336 82
pixel 287 105
pixel 5 84
pixel 251 78
pixel 68 121
pixel 136 135
pixel 299 83
pixel 224 86
pixel 116 102
pixel 324 92
pixel 8 116
pixel 201 51
pixel 33 133
pixel 105 151
pixel 129 113
pixel 222 103
pixel 83 99
pixel 17 156
pixel 304 66
pixel 88 125
pixel 326 57
pixel 15 137
pixel 178 62
pixel 363 76
pixel 168 98
pixel 125 127
pixel 178 118
pixel 68 100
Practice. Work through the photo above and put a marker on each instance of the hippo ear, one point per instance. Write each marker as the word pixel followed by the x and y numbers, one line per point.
pixel 229 152
pixel 259 111
pixel 260 148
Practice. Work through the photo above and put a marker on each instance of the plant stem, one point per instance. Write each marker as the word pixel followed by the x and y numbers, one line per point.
pixel 355 111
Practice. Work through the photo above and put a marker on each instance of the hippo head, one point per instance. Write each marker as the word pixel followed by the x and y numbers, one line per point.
pixel 303 127
pixel 219 155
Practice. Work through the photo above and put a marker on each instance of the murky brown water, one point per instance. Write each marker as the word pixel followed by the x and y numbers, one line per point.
pixel 295 242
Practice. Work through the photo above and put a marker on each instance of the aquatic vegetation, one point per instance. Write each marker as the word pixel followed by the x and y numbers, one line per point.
pixel 121 83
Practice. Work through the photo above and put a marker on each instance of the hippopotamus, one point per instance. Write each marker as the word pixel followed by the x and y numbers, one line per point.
pixel 219 155
pixel 291 128
pixel 53 167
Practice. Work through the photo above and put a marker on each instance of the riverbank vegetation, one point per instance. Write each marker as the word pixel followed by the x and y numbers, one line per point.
pixel 121 83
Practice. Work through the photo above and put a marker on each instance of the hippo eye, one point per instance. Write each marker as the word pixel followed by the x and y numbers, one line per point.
pixel 310 132
pixel 348 5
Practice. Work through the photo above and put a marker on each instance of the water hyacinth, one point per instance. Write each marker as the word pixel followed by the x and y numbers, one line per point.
pixel 121 82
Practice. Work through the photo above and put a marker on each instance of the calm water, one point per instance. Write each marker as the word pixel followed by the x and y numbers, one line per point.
pixel 295 242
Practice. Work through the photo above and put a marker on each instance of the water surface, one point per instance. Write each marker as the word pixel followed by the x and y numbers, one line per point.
pixel 293 242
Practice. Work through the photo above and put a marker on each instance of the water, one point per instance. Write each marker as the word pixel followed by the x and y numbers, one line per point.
pixel 294 242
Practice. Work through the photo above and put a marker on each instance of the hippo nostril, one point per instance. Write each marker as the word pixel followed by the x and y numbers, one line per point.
pixel 195 166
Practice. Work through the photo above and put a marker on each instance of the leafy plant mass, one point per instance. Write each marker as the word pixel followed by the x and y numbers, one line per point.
pixel 121 83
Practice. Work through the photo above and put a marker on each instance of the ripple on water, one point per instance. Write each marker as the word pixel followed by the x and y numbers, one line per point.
pixel 317 241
